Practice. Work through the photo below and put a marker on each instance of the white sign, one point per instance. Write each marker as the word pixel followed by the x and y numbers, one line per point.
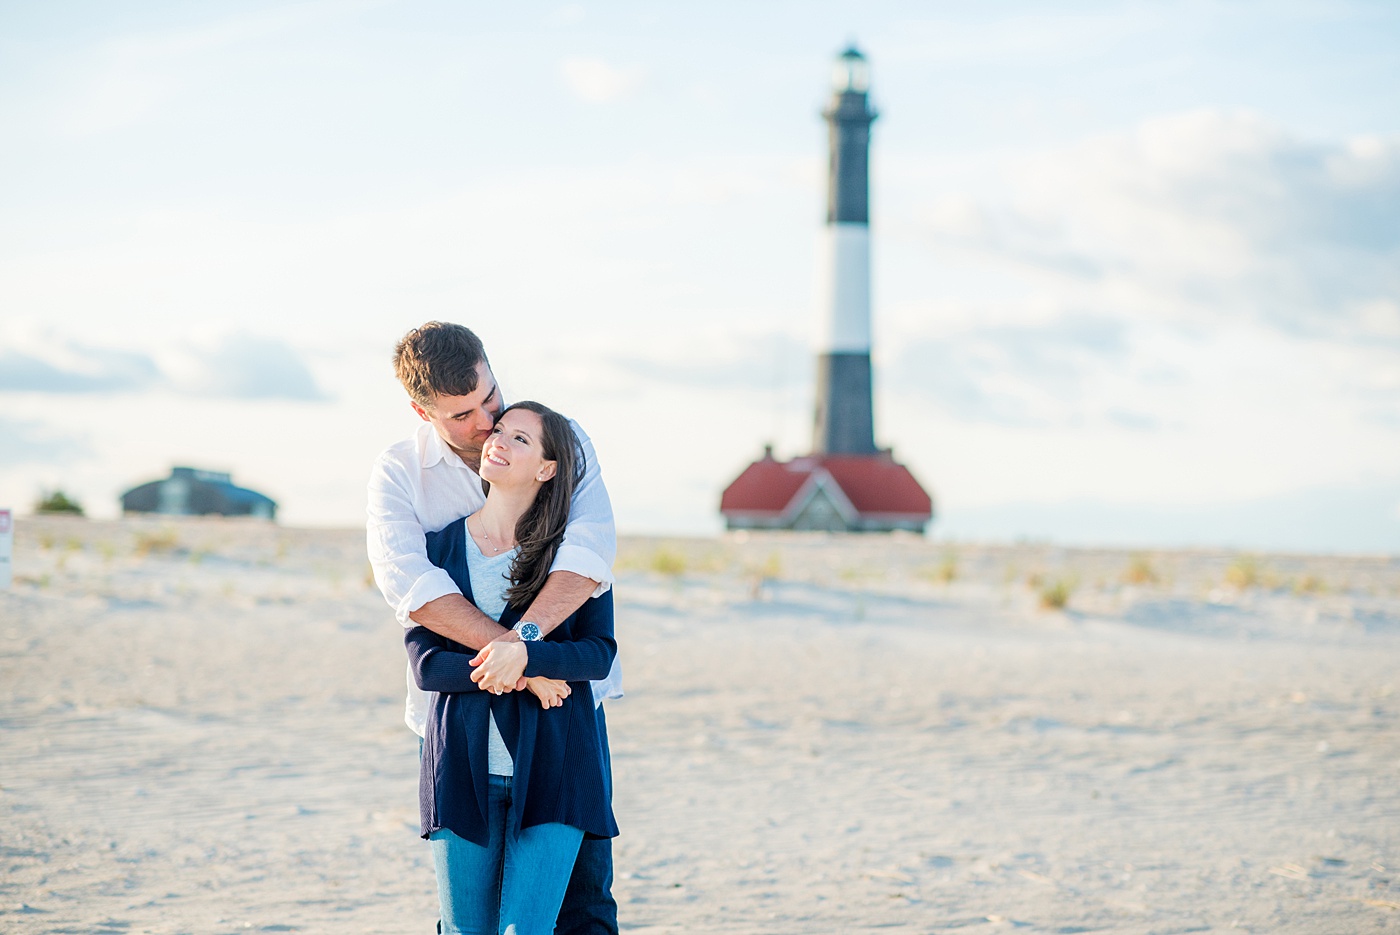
pixel 7 546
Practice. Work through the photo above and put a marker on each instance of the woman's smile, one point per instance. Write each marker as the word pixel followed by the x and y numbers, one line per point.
pixel 513 450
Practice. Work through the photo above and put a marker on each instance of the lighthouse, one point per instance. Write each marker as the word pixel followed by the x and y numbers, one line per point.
pixel 845 410
pixel 847 483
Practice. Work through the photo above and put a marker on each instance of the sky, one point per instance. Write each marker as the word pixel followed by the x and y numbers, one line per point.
pixel 1136 266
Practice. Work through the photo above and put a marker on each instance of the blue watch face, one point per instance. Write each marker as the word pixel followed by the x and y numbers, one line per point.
pixel 528 632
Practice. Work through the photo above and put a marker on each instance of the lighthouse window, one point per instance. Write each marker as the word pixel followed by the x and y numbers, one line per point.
pixel 852 74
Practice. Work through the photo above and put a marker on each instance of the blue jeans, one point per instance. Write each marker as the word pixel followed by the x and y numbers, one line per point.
pixel 513 886
pixel 589 908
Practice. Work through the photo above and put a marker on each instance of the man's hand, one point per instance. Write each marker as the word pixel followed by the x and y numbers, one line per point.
pixel 551 692
pixel 500 666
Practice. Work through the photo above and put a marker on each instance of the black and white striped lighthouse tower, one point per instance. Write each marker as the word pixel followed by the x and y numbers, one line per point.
pixel 845 419
pixel 846 484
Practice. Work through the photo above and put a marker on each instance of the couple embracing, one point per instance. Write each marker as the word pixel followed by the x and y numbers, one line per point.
pixel 491 535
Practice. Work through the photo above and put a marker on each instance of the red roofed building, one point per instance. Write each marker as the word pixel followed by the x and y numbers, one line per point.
pixel 837 493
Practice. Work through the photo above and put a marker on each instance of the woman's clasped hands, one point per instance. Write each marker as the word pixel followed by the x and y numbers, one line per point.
pixel 500 667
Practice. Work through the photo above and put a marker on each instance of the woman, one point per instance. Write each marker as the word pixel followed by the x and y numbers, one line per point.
pixel 509 785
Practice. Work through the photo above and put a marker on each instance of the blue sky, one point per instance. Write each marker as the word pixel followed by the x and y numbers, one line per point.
pixel 1137 266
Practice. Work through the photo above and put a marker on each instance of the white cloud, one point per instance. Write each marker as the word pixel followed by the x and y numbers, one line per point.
pixel 23 441
pixel 62 366
pixel 1031 374
pixel 243 366
pixel 238 366
pixel 1217 214
pixel 597 81
pixel 1202 308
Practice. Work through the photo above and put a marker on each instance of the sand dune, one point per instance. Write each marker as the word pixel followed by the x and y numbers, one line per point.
pixel 201 732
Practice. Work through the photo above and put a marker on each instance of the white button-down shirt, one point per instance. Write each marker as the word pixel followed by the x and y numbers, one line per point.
pixel 419 486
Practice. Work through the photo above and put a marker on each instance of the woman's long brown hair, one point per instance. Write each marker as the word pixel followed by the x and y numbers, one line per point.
pixel 540 529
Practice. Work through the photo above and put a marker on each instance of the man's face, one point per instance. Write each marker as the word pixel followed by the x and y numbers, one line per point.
pixel 465 422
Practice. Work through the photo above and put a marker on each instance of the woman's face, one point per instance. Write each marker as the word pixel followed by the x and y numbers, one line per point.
pixel 514 454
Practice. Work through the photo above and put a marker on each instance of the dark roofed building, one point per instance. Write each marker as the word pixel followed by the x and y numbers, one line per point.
pixel 837 493
pixel 192 492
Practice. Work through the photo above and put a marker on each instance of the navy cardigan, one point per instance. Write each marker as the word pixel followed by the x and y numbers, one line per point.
pixel 561 764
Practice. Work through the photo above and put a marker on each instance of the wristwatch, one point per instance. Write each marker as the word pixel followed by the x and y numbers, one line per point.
pixel 529 632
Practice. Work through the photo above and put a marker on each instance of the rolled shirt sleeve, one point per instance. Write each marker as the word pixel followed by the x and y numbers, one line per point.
pixel 397 547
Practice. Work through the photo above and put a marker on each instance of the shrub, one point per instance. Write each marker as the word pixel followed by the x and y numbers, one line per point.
pixel 945 572
pixel 1054 595
pixel 668 562
pixel 1140 571
pixel 1243 573
pixel 58 502
pixel 156 540
pixel 1309 584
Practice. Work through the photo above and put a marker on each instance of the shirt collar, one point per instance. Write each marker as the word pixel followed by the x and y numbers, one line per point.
pixel 432 449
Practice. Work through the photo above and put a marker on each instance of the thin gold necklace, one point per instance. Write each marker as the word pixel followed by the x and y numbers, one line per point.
pixel 482 523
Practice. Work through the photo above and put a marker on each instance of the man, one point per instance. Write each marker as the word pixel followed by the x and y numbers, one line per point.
pixel 425 482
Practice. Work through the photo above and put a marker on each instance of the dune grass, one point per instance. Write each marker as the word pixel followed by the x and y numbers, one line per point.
pixel 1055 593
pixel 1140 571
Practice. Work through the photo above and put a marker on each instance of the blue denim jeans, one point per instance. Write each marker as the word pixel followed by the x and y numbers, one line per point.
pixel 589 908
pixel 514 885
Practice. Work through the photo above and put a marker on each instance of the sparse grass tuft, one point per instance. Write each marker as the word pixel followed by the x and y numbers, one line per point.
pixel 160 541
pixel 759 575
pixel 771 568
pixel 1054 595
pixel 1140 571
pixel 1309 584
pixel 668 562
pixel 713 562
pixel 945 572
pixel 1243 573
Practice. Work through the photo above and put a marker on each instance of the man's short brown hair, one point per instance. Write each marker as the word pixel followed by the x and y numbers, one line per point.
pixel 438 359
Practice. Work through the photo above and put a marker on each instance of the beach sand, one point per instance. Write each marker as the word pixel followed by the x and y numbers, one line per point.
pixel 201 731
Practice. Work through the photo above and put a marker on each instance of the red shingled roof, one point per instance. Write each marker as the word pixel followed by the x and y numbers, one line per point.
pixel 874 484
pixel 765 486
pixel 878 485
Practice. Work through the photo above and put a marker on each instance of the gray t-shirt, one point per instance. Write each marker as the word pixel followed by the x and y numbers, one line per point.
pixel 489 582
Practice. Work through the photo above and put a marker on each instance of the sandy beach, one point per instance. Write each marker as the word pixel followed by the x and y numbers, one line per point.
pixel 201 731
